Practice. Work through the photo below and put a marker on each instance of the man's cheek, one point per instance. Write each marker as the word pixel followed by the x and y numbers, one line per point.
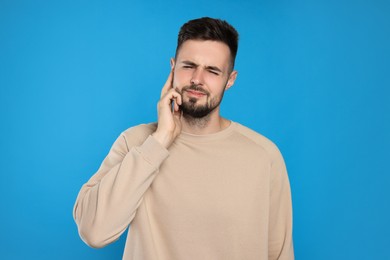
pixel 176 85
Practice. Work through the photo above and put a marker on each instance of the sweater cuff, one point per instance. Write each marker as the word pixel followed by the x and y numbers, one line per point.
pixel 153 152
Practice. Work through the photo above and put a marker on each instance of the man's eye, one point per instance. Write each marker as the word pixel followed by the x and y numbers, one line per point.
pixel 213 72
pixel 188 67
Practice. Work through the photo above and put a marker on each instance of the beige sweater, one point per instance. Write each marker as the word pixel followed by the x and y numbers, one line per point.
pixel 213 197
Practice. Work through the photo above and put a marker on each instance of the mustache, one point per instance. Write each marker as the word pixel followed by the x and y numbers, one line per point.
pixel 195 88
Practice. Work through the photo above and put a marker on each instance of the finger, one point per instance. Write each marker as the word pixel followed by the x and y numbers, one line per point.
pixel 178 102
pixel 179 99
pixel 170 96
pixel 168 84
pixel 175 105
pixel 177 115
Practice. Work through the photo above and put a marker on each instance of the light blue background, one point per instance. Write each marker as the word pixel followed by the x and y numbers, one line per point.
pixel 313 77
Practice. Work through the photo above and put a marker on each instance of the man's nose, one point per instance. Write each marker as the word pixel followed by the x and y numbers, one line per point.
pixel 197 77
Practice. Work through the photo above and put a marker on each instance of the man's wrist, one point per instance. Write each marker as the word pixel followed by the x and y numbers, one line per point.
pixel 163 139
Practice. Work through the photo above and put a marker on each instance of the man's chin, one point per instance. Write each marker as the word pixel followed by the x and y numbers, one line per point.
pixel 195 111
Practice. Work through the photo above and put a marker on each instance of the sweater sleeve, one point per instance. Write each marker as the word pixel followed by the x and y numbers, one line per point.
pixel 107 203
pixel 280 242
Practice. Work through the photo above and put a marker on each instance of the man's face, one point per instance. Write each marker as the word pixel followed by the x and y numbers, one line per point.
pixel 201 75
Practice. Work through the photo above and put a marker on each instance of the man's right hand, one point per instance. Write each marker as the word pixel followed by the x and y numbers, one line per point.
pixel 169 124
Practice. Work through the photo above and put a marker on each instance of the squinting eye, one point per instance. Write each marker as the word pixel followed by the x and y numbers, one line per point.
pixel 187 67
pixel 213 72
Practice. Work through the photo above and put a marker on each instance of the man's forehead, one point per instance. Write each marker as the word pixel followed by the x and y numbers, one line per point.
pixel 204 53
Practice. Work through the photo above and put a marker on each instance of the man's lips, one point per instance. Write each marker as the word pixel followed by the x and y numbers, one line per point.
pixel 195 93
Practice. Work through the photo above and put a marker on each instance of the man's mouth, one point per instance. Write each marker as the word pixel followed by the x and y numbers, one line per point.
pixel 195 93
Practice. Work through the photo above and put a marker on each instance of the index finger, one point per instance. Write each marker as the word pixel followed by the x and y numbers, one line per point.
pixel 168 84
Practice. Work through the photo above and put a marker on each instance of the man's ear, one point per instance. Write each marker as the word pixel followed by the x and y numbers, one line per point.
pixel 172 63
pixel 231 80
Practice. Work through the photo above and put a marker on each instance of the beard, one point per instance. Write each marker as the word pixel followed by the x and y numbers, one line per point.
pixel 191 107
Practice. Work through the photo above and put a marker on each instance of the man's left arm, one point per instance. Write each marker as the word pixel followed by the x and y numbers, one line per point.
pixel 280 242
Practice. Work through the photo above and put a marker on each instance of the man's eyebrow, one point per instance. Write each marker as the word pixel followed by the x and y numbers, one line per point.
pixel 214 68
pixel 187 62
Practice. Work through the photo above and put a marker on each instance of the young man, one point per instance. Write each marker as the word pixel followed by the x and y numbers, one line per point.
pixel 194 185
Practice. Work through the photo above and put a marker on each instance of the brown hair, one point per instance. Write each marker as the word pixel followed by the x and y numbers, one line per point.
pixel 207 28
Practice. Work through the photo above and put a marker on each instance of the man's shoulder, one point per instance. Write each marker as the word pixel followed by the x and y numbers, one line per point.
pixel 139 133
pixel 257 139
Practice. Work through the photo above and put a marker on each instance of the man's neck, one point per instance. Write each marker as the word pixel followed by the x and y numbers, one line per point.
pixel 209 124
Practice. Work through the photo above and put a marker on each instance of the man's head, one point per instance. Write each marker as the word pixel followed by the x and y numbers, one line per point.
pixel 203 65
pixel 210 29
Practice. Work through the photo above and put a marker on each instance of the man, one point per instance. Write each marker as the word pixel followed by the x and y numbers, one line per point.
pixel 194 185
